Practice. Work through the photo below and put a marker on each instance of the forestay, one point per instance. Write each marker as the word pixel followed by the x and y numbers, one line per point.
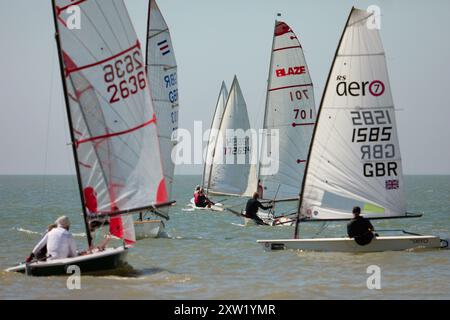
pixel 355 156
pixel 212 141
pixel 163 81
pixel 232 157
pixel 113 121
pixel 290 116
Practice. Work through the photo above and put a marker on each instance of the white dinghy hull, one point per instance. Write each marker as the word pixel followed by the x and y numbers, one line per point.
pixel 379 244
pixel 108 259
pixel 217 207
pixel 148 229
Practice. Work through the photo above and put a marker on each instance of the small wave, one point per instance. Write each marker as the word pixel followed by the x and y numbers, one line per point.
pixel 26 231
pixel 188 238
pixel 79 235
pixel 188 209
pixel 238 225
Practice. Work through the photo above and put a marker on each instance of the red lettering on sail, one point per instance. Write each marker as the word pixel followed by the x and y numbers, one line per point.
pixel 291 71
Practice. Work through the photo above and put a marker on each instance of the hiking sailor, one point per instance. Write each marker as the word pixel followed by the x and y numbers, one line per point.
pixel 252 207
pixel 59 242
pixel 360 228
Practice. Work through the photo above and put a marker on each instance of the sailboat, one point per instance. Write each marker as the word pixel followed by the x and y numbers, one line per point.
pixel 290 117
pixel 163 83
pixel 112 126
pixel 211 147
pixel 355 157
pixel 230 166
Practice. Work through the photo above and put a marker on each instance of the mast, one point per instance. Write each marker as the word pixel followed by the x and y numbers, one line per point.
pixel 267 92
pixel 147 36
pixel 72 137
pixel 315 128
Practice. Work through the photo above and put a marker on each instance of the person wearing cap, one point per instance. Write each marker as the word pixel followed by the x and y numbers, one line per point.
pixel 360 228
pixel 59 242
pixel 251 209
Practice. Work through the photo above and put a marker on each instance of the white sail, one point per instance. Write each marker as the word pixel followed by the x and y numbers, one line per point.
pixel 290 113
pixel 163 81
pixel 217 119
pixel 232 156
pixel 112 117
pixel 355 157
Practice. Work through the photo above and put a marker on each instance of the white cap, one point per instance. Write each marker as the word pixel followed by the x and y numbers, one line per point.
pixel 63 222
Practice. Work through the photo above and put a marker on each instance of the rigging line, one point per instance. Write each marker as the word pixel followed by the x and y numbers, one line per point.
pixel 166 66
pixel 156 34
pixel 360 20
pixel 322 229
pixel 50 101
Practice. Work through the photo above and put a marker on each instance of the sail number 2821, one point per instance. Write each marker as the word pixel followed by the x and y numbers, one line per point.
pixel 125 76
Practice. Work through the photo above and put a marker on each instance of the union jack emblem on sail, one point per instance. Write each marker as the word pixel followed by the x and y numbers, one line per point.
pixel 164 47
pixel 392 184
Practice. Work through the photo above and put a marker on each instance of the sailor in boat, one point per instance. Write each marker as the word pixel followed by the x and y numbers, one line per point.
pixel 40 250
pixel 58 241
pixel 260 189
pixel 196 194
pixel 252 207
pixel 360 228
pixel 202 200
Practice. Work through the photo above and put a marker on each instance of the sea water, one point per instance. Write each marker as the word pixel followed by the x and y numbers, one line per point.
pixel 212 256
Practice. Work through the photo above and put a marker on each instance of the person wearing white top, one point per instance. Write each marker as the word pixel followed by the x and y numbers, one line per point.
pixel 59 242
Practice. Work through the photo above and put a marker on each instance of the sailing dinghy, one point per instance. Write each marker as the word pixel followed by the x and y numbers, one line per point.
pixel 355 157
pixel 229 170
pixel 163 83
pixel 290 114
pixel 113 130
pixel 211 147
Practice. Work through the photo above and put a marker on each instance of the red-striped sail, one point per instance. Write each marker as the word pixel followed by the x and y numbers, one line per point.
pixel 111 112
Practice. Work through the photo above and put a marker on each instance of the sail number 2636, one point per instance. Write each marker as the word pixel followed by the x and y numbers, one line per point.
pixel 125 76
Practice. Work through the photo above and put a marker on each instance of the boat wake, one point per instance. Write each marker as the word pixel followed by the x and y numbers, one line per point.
pixel 27 231
pixel 238 224
pixel 77 235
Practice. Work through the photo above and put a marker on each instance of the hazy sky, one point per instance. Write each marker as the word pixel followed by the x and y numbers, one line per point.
pixel 214 40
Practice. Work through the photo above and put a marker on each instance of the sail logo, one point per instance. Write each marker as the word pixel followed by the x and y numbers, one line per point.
pixel 392 185
pixel 356 89
pixel 164 47
pixel 291 71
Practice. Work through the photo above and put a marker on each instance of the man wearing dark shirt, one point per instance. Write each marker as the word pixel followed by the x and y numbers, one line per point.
pixel 360 228
pixel 252 207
